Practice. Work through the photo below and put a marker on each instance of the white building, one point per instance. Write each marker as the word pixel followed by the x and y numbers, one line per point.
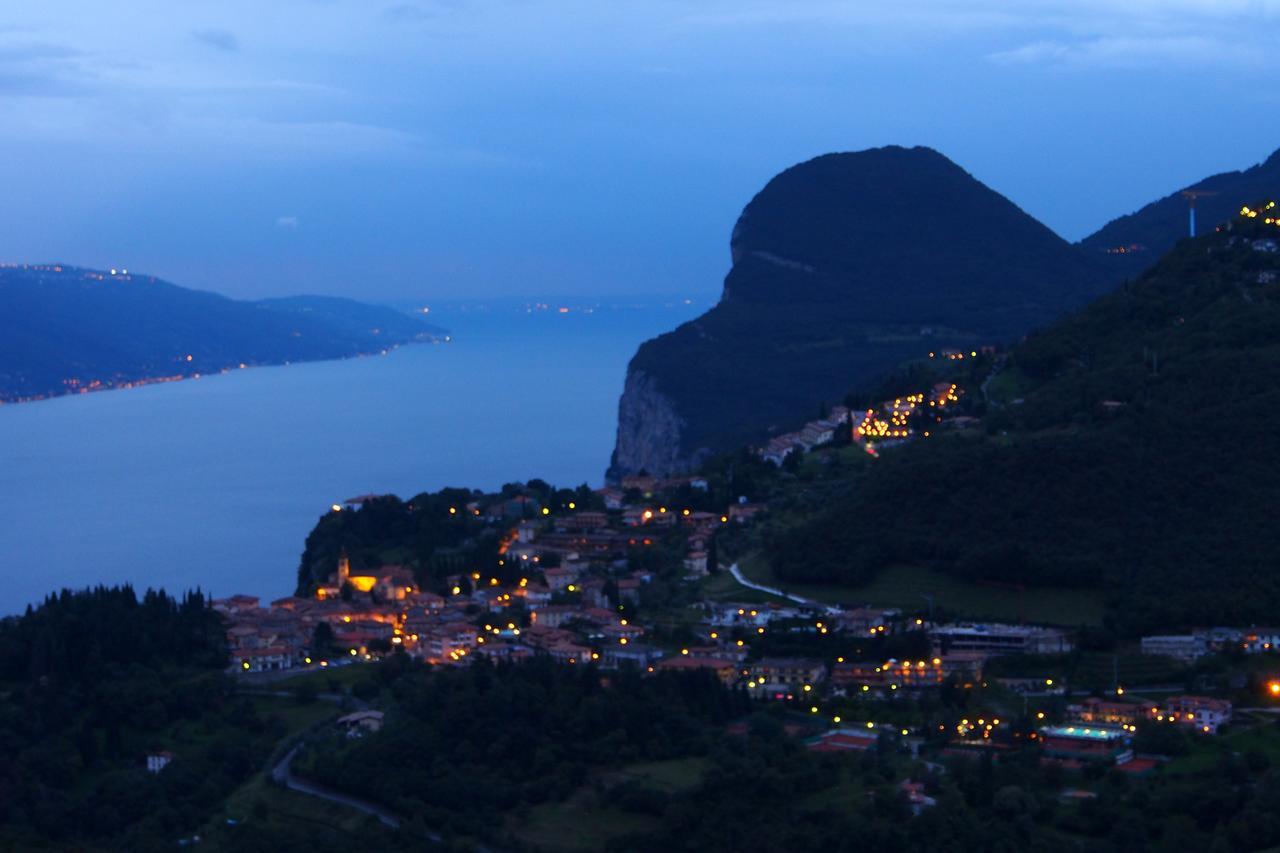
pixel 995 638
pixel 1184 647
pixel 1202 712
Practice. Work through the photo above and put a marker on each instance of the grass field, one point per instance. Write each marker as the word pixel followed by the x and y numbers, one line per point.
pixel 587 820
pixel 578 823
pixel 906 587
pixel 671 777
pixel 723 587
pixel 1260 734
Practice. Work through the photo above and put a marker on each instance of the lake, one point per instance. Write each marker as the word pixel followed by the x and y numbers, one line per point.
pixel 215 482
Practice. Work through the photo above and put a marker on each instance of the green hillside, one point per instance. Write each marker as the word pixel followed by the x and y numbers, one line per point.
pixel 1130 447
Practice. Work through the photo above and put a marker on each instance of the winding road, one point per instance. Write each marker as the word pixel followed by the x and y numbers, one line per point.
pixel 740 578
pixel 282 774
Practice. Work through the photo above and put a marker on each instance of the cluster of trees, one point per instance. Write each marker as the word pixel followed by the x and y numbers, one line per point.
pixel 462 747
pixel 90 683
pixel 74 635
pixel 1134 458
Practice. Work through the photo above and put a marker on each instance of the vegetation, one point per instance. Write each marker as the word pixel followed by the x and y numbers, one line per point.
pixel 1134 460
pixel 536 756
pixel 68 329
pixel 464 746
pixel 93 682
pixel 1147 234
pixel 434 534
pixel 845 266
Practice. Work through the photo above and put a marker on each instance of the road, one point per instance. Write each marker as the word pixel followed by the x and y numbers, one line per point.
pixel 740 578
pixel 282 774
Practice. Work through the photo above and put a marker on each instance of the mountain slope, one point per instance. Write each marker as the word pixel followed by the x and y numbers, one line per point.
pixel 1131 243
pixel 66 329
pixel 843 266
pixel 1135 451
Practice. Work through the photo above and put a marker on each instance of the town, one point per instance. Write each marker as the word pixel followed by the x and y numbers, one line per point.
pixel 583 595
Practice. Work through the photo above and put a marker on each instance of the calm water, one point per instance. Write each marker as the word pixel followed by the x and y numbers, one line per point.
pixel 215 482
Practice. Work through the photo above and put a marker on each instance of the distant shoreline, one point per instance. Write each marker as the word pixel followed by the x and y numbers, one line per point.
pixel 96 386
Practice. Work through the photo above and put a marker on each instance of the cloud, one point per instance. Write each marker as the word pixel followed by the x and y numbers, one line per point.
pixel 412 12
pixel 224 40
pixel 286 222
pixel 33 69
pixel 1131 52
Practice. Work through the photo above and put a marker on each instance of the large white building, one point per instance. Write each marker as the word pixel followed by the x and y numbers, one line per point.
pixel 996 638
pixel 1184 647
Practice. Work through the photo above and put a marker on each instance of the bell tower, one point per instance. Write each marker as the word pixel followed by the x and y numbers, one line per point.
pixel 344 569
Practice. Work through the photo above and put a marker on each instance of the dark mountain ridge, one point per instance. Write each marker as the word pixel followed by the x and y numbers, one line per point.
pixel 67 329
pixel 1131 243
pixel 843 267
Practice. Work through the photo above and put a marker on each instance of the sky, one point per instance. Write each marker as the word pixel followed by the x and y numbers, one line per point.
pixel 449 149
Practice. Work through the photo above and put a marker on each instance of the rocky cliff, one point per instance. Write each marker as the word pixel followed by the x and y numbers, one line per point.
pixel 649 429
pixel 843 267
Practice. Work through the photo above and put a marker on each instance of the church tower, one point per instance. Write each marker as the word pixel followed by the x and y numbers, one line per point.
pixel 344 569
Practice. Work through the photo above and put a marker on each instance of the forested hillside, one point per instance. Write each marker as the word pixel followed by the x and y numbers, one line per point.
pixel 1130 447
pixel 68 330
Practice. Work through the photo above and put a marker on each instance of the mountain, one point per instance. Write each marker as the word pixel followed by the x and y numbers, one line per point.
pixel 1130 244
pixel 68 329
pixel 1130 448
pixel 843 267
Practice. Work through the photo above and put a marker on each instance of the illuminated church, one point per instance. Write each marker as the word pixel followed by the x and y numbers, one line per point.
pixel 392 583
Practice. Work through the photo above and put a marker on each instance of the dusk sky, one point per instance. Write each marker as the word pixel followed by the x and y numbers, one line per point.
pixel 457 149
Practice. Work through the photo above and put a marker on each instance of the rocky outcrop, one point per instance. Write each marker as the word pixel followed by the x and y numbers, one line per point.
pixel 649 431
pixel 843 268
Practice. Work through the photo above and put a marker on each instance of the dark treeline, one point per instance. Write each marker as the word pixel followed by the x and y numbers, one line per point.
pixel 91 683
pixel 73 635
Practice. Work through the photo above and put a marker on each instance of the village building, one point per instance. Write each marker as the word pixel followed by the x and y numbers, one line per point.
pixel 726 671
pixel 844 740
pixel 916 797
pixel 695 564
pixel 235 605
pixel 1183 647
pixel 267 659
pixel 361 722
pixel 613 498
pixel 995 638
pixel 1201 712
pixel 1107 712
pixel 791 672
